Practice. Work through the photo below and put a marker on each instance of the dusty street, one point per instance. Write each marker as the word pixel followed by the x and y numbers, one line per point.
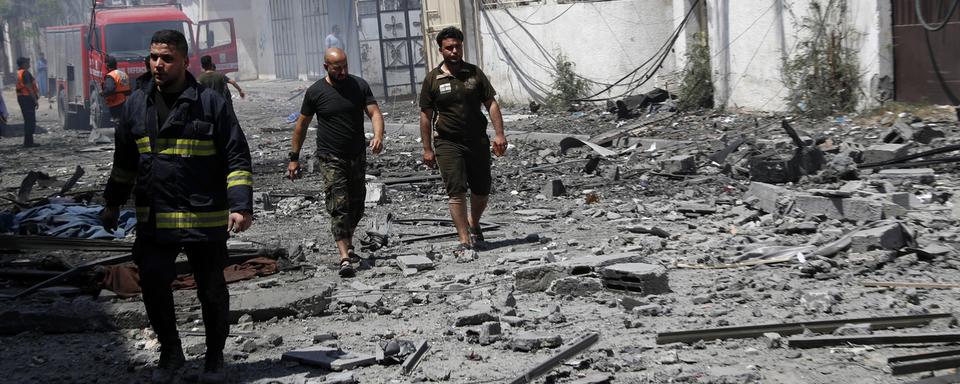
pixel 650 234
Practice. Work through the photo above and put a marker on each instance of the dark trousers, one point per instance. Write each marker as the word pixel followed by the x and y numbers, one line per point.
pixel 28 107
pixel 157 272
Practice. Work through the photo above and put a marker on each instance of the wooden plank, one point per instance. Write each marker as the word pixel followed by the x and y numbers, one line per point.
pixel 925 365
pixel 905 284
pixel 572 350
pixel 821 326
pixel 411 362
pixel 916 338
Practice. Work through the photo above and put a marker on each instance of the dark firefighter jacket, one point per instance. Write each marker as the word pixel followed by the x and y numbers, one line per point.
pixel 188 175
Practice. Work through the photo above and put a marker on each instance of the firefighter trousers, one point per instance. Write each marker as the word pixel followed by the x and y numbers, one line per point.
pixel 156 263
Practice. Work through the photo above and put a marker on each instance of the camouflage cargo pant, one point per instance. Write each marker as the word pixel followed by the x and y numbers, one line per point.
pixel 345 189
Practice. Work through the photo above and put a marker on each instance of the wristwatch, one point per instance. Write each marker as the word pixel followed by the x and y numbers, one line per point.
pixel 294 156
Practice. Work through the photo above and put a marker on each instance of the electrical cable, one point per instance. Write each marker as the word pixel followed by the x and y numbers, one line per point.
pixel 946 20
pixel 662 53
pixel 551 20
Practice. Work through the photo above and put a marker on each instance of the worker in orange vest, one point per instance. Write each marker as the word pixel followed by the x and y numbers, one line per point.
pixel 27 96
pixel 116 88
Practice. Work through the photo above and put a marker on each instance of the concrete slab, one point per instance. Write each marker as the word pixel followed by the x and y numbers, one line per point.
pixel 884 152
pixel 333 359
pixel 914 175
pixel 473 316
pixel 679 165
pixel 852 209
pixel 418 262
pixel 265 304
pixel 889 236
pixel 767 197
pixel 586 264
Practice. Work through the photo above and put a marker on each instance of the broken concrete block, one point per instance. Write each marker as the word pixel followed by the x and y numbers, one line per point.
pixel 853 209
pixel 333 359
pixel 899 133
pixel 585 264
pixel 538 278
pixel 767 197
pixel 888 236
pixel 905 200
pixel 575 286
pixel 527 341
pixel 773 340
pixel 776 169
pixel 376 193
pixel 263 304
pixel 883 152
pixel 819 301
pixel 891 210
pixel 914 175
pixel 927 134
pixel 473 316
pixel 679 165
pixel 490 332
pixel 646 279
pixel 554 188
pixel 340 378
pixel 418 262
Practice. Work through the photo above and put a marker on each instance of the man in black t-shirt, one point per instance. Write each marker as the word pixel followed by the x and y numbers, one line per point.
pixel 340 100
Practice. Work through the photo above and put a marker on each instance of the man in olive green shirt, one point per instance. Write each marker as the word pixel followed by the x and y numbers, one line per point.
pixel 450 99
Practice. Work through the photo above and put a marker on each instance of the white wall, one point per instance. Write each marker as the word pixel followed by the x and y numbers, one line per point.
pixel 605 40
pixel 750 41
pixel 245 26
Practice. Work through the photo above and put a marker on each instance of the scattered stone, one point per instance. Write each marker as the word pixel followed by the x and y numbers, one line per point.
pixel 767 197
pixel 538 278
pixel 490 332
pixel 773 340
pixel 679 165
pixel 473 316
pixel 575 286
pixel 527 341
pixel 890 236
pixel 274 340
pixel 554 188
pixel 340 378
pixel 820 301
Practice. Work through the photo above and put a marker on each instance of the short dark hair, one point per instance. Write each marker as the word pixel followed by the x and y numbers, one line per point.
pixel 174 39
pixel 449 32
pixel 207 62
pixel 22 62
pixel 111 62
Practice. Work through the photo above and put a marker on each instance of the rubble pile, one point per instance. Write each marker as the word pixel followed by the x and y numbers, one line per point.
pixel 648 247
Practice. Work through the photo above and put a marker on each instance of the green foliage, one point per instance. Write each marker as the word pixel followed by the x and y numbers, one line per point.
pixel 823 77
pixel 26 17
pixel 567 85
pixel 696 84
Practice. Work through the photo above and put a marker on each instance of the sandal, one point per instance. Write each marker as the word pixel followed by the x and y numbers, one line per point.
pixel 354 257
pixel 346 269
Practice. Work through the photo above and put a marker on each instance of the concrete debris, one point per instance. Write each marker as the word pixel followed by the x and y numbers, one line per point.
pixel 333 359
pixel 843 227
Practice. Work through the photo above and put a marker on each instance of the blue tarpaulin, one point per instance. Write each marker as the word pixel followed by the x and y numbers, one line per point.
pixel 70 220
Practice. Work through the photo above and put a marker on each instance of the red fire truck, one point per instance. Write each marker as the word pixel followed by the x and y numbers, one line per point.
pixel 77 53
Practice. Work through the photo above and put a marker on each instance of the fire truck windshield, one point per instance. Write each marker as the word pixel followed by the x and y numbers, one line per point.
pixel 132 41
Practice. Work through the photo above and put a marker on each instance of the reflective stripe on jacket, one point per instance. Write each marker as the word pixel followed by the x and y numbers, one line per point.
pixel 122 88
pixel 187 173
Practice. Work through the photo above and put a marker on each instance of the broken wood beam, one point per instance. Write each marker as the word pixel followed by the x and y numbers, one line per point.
pixel 411 362
pixel 22 242
pixel 907 284
pixel 411 179
pixel 72 272
pixel 924 362
pixel 916 338
pixel 572 350
pixel 819 326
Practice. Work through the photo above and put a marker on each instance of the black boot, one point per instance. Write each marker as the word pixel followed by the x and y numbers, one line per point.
pixel 171 360
pixel 213 369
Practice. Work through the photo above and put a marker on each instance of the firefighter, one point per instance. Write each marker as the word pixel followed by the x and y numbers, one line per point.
pixel 180 149
pixel 28 96
pixel 116 88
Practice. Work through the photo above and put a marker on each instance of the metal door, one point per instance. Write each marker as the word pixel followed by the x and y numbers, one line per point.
pixel 315 30
pixel 391 45
pixel 437 15
pixel 926 64
pixel 282 14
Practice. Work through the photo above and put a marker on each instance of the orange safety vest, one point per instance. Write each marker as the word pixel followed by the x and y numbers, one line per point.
pixel 122 87
pixel 22 88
